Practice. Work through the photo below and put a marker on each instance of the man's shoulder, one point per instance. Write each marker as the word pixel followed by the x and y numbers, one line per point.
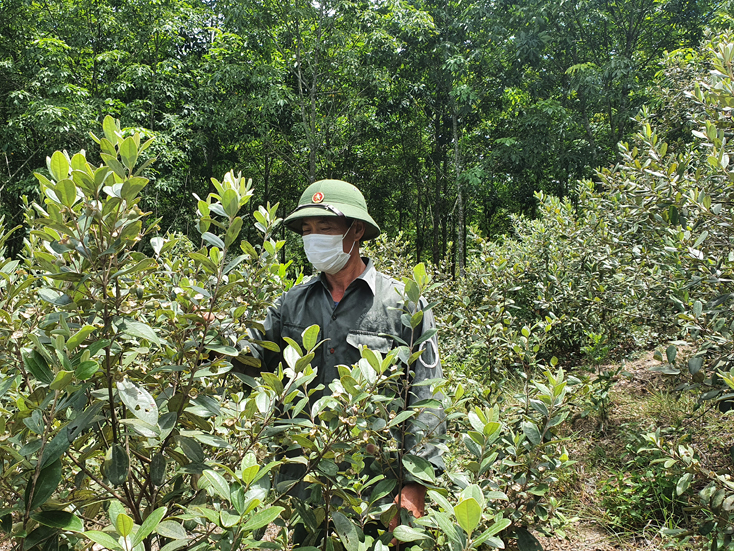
pixel 388 287
pixel 299 291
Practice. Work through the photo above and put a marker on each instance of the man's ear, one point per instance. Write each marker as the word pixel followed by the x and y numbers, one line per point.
pixel 358 230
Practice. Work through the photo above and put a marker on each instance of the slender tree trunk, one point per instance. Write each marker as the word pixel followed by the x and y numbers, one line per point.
pixel 460 222
pixel 418 221
pixel 437 198
pixel 444 191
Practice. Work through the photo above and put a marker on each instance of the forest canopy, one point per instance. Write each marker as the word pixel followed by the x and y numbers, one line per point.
pixel 448 115
pixel 150 152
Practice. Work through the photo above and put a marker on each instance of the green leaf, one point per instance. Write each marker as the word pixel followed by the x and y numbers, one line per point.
pixel 83 420
pixel 419 274
pixel 58 166
pixel 36 364
pixel 273 381
pixel 141 331
pixel 62 380
pixel 664 369
pixel 473 491
pixel 172 530
pixel 138 401
pixel 413 292
pixel 496 528
pixel 56 448
pixel 54 297
pixel 683 483
pixel 230 202
pixel 350 385
pixel 234 263
pixel 408 533
pixel 59 519
pixel 213 239
pixel 129 152
pixel 425 336
pixel 671 352
pixel 78 337
pixel 85 370
pixel 400 417
pixel 124 525
pixel 175 544
pixel 262 518
pixel 33 540
pixel 310 337
pixel 222 349
pixel 117 167
pixel 66 192
pixel 419 468
pixel 468 514
pixel 348 533
pixel 132 187
pixel 192 449
pixel 157 469
pixel 104 539
pixel 531 431
pixel 233 231
pixel 382 488
pixel 149 524
pixel 526 541
pixel 217 483
pixel 227 519
pixel 116 465
pixel 694 364
pixel 48 480
pixel 109 126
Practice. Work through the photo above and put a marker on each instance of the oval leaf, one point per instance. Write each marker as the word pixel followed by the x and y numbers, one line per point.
pixel 60 519
pixel 262 518
pixel 468 514
pixel 139 401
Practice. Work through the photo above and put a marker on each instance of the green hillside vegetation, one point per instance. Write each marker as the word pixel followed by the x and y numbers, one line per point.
pixel 125 418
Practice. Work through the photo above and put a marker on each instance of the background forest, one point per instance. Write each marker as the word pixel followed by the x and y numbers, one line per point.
pixel 449 115
pixel 554 178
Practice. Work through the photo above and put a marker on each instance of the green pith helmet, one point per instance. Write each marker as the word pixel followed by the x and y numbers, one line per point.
pixel 333 198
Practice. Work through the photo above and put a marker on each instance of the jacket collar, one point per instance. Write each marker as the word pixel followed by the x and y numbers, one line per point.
pixel 369 275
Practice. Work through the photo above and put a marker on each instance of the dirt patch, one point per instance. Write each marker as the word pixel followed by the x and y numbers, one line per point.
pixel 588 536
pixel 638 379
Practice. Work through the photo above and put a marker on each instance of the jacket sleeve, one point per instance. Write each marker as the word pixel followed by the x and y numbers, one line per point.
pixel 429 424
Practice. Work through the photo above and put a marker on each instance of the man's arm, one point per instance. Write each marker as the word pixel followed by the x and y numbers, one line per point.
pixel 428 423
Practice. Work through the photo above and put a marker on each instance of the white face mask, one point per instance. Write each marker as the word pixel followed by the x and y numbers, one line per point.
pixel 326 252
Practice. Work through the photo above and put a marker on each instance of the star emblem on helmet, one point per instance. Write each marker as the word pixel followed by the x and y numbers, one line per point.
pixel 317 197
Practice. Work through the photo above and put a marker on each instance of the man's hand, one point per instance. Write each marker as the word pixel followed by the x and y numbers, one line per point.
pixel 413 498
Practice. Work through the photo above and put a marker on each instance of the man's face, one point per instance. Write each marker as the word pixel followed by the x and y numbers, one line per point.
pixel 333 225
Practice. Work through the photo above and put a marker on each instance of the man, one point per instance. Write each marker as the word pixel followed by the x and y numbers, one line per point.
pixel 353 305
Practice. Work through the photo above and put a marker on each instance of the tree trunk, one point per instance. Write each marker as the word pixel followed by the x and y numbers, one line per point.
pixel 436 251
pixel 460 222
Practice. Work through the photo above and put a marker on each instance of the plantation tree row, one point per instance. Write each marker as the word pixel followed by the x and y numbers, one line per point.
pixel 448 114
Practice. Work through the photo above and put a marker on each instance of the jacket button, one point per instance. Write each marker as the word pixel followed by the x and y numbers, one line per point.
pixel 332 350
pixel 333 317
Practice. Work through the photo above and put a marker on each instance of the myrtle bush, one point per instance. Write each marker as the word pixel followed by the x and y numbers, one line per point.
pixel 131 417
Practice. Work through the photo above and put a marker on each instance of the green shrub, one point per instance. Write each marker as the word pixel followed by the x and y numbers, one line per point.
pixel 124 423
